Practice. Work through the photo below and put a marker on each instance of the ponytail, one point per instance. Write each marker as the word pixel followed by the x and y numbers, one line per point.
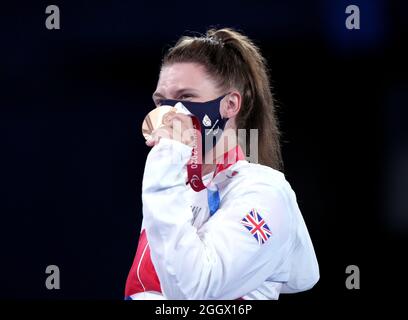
pixel 234 61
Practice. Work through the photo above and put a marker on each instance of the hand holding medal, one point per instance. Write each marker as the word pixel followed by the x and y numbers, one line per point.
pixel 181 121
pixel 166 122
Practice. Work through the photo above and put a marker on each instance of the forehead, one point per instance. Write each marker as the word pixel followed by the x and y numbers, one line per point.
pixel 177 76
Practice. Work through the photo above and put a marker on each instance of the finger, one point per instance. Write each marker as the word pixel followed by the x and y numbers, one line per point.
pixel 150 142
pixel 171 117
pixel 181 122
pixel 162 132
pixel 181 117
pixel 167 118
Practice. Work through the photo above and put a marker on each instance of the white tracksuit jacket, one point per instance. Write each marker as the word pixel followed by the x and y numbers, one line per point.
pixel 198 256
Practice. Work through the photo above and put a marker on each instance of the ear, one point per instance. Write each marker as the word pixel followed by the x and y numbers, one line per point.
pixel 231 104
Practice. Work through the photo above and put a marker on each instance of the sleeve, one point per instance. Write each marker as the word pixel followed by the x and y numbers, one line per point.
pixel 222 259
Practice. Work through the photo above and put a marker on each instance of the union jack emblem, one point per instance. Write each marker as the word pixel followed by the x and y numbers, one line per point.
pixel 257 226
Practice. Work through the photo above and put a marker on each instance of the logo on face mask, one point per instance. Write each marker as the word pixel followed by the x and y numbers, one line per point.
pixel 207 113
pixel 206 121
pixel 213 130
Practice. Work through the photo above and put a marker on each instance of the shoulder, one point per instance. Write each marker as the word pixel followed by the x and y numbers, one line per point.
pixel 258 182
pixel 258 173
pixel 261 189
pixel 258 176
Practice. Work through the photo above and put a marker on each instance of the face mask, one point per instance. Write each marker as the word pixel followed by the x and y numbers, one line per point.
pixel 208 113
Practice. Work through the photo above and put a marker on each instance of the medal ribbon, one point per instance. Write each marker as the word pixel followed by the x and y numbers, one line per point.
pixel 194 166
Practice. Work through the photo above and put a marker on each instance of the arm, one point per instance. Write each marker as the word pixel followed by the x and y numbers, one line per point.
pixel 222 259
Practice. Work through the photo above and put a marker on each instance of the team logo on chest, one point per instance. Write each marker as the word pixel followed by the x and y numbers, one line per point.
pixel 256 226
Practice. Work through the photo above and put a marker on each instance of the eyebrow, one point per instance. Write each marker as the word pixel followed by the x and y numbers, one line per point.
pixel 158 95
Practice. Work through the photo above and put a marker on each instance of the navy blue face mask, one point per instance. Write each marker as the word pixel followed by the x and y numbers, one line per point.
pixel 208 113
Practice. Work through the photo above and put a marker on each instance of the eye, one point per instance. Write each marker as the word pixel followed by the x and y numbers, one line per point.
pixel 185 96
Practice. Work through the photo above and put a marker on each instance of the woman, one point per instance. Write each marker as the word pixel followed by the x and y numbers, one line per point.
pixel 242 237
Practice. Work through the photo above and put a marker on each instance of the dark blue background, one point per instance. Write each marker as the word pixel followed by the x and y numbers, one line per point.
pixel 72 155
